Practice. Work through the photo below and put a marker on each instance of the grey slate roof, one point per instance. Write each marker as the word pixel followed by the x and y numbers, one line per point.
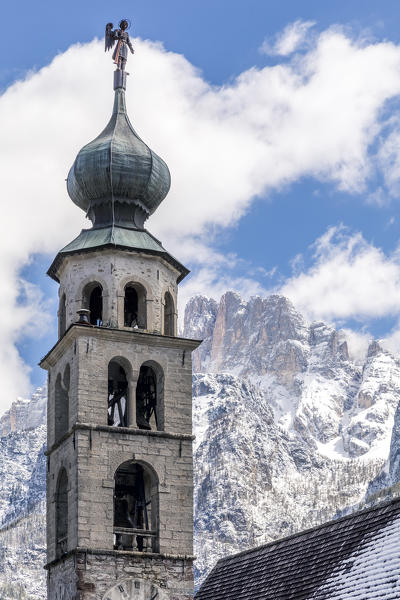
pixel 120 236
pixel 117 237
pixel 356 557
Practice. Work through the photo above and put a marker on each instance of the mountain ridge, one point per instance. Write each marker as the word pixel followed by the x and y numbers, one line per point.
pixel 290 432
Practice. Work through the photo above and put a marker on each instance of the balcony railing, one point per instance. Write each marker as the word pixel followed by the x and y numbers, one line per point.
pixel 139 540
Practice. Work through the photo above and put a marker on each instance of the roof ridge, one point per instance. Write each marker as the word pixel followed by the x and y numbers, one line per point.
pixel 311 529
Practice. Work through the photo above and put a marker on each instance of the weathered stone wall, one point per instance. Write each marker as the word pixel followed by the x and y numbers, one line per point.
pixel 96 575
pixel 68 357
pixel 88 351
pixel 100 453
pixel 113 270
pixel 91 451
pixel 65 456
pixel 62 580
pixel 91 455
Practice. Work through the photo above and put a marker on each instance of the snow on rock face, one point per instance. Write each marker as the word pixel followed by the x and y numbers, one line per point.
pixel 290 430
pixel 22 498
pixel 254 481
pixel 372 416
pixel 314 387
pixel 22 472
pixel 234 471
pixel 25 414
pixel 199 324
pixel 22 557
pixel 394 456
pixel 259 336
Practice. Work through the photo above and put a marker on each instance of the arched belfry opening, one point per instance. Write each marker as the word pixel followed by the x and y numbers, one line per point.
pixel 149 397
pixel 118 395
pixel 61 403
pixel 62 316
pixel 136 508
pixel 92 299
pixel 135 306
pixel 169 315
pixel 62 513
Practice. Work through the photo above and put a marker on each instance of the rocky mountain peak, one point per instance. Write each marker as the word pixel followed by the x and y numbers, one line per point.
pixel 199 323
pixel 305 371
pixel 374 348
pixel 24 413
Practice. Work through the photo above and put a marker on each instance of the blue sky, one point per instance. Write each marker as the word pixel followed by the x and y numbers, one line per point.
pixel 222 38
pixel 271 243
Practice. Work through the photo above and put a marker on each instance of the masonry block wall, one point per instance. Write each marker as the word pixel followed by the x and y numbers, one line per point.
pixel 91 451
pixel 113 270
pixel 93 575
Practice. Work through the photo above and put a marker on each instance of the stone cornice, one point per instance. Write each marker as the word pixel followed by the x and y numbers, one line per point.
pixel 77 330
pixel 120 554
pixel 120 430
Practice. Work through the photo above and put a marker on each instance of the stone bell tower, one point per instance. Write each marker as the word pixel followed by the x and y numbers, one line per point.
pixel 119 458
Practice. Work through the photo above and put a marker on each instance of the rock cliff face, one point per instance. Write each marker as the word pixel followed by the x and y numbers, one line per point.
pixel 293 427
pixel 290 431
pixel 25 414
pixel 394 456
pixel 22 499
pixel 304 370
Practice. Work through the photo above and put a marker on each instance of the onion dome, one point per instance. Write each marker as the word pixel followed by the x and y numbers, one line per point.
pixel 117 178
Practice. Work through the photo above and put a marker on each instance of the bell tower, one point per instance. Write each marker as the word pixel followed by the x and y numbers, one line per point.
pixel 119 458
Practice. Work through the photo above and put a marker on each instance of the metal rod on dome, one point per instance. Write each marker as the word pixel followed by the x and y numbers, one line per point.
pixel 120 79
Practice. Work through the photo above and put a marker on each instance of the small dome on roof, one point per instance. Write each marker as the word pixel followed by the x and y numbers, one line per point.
pixel 117 177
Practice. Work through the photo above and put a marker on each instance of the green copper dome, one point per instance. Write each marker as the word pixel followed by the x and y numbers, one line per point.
pixel 117 178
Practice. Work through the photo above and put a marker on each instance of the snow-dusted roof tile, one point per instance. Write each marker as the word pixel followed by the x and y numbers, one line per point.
pixel 353 558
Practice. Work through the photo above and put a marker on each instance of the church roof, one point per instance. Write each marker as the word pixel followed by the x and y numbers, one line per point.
pixel 118 237
pixel 356 557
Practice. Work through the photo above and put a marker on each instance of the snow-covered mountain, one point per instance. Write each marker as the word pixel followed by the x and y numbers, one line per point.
pixel 22 499
pixel 25 414
pixel 315 389
pixel 290 431
pixel 292 426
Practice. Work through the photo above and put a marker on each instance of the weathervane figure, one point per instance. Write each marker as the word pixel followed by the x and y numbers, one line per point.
pixel 121 36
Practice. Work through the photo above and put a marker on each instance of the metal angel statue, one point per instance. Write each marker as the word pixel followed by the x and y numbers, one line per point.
pixel 121 36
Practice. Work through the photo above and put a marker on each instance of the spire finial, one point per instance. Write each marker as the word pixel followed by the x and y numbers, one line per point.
pixel 120 54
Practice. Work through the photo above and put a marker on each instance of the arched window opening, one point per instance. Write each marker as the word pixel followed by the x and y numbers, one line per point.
pixel 136 508
pixel 62 514
pixel 169 315
pixel 135 307
pixel 62 316
pixel 61 404
pixel 130 307
pixel 117 395
pixel 93 301
pixel 149 390
pixel 146 398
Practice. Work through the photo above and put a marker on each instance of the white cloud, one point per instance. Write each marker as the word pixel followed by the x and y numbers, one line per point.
pixel 378 197
pixel 292 38
pixel 357 343
pixel 315 116
pixel 349 278
pixel 389 160
pixel 392 341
